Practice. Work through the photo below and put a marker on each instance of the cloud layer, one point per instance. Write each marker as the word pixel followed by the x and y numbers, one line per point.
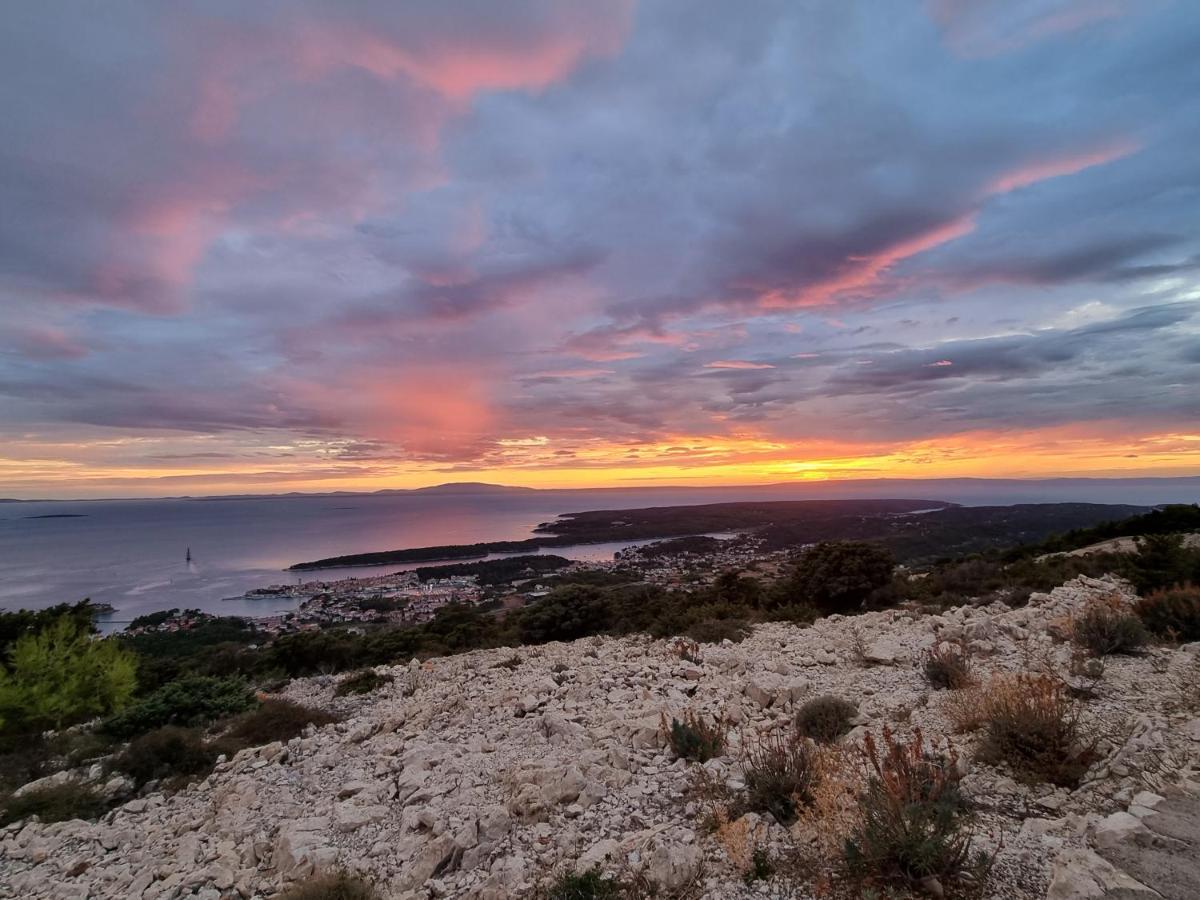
pixel 317 244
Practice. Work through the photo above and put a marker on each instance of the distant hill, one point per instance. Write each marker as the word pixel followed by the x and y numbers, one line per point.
pixel 466 487
pixel 916 530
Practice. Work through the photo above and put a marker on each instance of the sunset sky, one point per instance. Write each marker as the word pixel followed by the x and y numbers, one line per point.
pixel 274 246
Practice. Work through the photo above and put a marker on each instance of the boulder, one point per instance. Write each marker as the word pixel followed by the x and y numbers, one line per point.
pixel 1080 874
pixel 885 652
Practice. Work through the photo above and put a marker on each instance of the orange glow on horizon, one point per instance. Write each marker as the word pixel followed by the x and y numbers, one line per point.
pixel 1096 450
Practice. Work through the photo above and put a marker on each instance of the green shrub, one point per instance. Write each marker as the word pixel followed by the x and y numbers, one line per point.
pixel 274 720
pixel 361 683
pixel 913 823
pixel 1162 561
pixel 24 622
pixel 194 700
pixel 696 739
pixel 589 885
pixel 170 752
pixel 948 666
pixel 565 614
pixel 841 576
pixel 1032 723
pixel 780 775
pixel 825 719
pixel 1105 628
pixel 62 675
pixel 337 886
pixel 55 804
pixel 761 867
pixel 714 631
pixel 796 613
pixel 1172 613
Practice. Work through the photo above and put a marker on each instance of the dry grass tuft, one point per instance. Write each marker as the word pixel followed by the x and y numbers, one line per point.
pixel 948 666
pixel 1107 627
pixel 780 776
pixel 1032 724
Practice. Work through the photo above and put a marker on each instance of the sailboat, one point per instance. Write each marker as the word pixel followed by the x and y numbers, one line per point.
pixel 188 558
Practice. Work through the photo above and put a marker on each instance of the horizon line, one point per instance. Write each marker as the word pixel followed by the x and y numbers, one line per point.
pixel 646 487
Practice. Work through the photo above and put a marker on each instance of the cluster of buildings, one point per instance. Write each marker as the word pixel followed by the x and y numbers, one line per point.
pixel 397 598
pixel 689 571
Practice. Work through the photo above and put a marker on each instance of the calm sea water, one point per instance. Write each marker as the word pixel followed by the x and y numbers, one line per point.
pixel 130 553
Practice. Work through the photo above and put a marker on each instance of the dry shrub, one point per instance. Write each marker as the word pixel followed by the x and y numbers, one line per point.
pixel 914 824
pixel 965 709
pixel 274 720
pixel 828 819
pixel 1106 627
pixel 336 886
pixel 826 718
pixel 362 682
pixel 57 803
pixel 170 752
pixel 948 666
pixel 739 839
pixel 780 776
pixel 686 649
pixel 1172 613
pixel 1032 723
pixel 695 738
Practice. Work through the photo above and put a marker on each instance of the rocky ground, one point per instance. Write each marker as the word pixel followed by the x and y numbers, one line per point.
pixel 484 774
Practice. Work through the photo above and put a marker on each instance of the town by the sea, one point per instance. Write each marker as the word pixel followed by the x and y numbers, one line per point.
pixel 134 554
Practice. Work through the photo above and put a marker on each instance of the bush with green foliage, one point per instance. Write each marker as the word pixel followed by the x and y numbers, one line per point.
pixel 780 774
pixel 24 622
pixel 61 675
pixel 1172 613
pixel 54 804
pixel 696 738
pixel 333 886
pixel 1106 627
pixel 761 866
pixel 826 718
pixel 170 752
pixel 840 576
pixel 714 631
pixel 913 822
pixel 736 589
pixel 190 701
pixel 565 614
pixel 273 720
pixel 1163 561
pixel 361 683
pixel 591 884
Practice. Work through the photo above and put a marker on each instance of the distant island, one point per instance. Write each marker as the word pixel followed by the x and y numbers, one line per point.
pixel 913 529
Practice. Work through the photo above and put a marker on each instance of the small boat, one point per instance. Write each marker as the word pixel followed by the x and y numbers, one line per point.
pixel 188 558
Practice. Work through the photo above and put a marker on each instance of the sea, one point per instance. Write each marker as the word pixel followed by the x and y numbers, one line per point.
pixel 132 554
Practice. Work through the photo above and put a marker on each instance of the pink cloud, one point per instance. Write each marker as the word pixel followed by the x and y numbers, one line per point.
pixel 981 28
pixel 45 342
pixel 737 364
pixel 164 232
pixel 858 274
pixel 1056 167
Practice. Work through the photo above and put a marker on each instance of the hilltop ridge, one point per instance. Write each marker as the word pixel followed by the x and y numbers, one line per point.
pixel 490 773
